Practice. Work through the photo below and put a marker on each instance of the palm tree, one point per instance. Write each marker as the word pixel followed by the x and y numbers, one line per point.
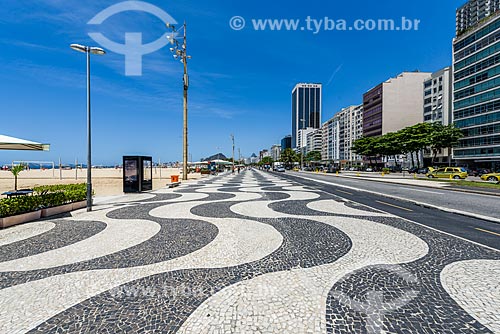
pixel 15 170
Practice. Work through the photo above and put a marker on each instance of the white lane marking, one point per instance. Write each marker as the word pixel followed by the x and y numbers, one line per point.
pixel 463 213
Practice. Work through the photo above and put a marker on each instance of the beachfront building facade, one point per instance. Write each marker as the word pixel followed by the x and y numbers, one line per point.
pixel 314 140
pixel 438 102
pixel 472 12
pixel 476 93
pixel 338 135
pixel 275 152
pixel 306 112
pixel 394 104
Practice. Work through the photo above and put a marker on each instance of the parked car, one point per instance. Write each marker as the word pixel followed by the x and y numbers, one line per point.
pixel 448 172
pixel 413 170
pixel 492 177
pixel 424 170
pixel 395 169
pixel 369 169
pixel 280 169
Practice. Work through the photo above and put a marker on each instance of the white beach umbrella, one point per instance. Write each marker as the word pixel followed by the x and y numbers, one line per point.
pixel 11 143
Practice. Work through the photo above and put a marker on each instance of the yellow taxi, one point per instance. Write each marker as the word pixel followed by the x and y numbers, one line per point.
pixel 492 177
pixel 448 173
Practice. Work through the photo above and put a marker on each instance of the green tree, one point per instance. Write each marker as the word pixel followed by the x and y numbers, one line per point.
pixel 288 157
pixel 313 156
pixel 266 161
pixel 444 137
pixel 388 145
pixel 15 170
pixel 365 146
pixel 415 138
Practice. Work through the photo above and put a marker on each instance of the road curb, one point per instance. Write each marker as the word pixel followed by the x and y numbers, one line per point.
pixel 422 204
pixel 416 185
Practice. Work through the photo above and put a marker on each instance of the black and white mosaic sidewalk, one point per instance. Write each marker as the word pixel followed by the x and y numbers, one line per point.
pixel 245 253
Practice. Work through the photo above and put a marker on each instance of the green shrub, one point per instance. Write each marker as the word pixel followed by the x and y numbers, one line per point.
pixel 386 170
pixel 43 197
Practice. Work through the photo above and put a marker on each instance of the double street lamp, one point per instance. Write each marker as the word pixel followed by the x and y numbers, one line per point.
pixel 96 51
pixel 180 52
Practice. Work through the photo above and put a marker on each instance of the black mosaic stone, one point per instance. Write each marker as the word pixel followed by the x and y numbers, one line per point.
pixel 175 295
pixel 431 311
pixel 177 237
pixel 66 232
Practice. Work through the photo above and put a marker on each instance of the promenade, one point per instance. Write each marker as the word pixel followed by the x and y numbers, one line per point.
pixel 245 253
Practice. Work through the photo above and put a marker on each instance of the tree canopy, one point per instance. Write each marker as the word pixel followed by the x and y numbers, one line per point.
pixel 410 140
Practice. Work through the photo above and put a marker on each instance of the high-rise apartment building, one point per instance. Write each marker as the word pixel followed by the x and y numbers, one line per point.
pixel 306 112
pixel 339 133
pixel 476 92
pixel 472 12
pixel 275 152
pixel 394 104
pixel 438 96
pixel 314 140
pixel 286 142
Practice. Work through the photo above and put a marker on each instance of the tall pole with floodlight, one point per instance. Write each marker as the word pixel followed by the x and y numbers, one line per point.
pixel 180 51
pixel 96 51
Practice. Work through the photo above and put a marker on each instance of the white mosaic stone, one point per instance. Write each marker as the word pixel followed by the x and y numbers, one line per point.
pixel 475 286
pixel 332 206
pixel 238 241
pixel 24 231
pixel 118 235
pixel 296 299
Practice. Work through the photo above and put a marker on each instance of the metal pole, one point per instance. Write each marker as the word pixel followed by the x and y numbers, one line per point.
pixel 89 141
pixel 159 165
pixel 60 169
pixel 302 145
pixel 76 169
pixel 232 138
pixel 185 134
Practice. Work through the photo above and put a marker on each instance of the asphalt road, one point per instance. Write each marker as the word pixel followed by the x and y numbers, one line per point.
pixel 477 230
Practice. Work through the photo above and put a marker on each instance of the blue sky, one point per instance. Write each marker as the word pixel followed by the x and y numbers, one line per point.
pixel 240 81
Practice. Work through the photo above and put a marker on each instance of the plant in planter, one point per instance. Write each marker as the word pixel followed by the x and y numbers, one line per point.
pixel 15 170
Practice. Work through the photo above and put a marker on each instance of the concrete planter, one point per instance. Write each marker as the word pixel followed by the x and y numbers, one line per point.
pixel 19 219
pixel 57 210
pixel 79 205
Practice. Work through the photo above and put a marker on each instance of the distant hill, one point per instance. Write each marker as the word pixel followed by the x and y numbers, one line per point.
pixel 218 156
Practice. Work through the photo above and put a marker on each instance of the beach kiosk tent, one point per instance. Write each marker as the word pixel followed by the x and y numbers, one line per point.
pixel 11 143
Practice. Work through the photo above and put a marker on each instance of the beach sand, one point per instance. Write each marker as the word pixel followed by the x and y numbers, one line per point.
pixel 105 181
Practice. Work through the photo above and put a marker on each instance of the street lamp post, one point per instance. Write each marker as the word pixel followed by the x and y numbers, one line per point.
pixel 97 51
pixel 180 51
pixel 302 144
pixel 232 138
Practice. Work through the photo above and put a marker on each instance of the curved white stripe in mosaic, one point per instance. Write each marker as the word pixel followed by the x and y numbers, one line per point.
pixel 118 235
pixel 239 241
pixel 260 209
pixel 332 206
pixel 24 231
pixel 295 301
pixel 475 286
pixel 123 199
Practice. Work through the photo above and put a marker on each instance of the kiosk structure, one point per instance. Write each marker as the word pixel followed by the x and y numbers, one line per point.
pixel 137 174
